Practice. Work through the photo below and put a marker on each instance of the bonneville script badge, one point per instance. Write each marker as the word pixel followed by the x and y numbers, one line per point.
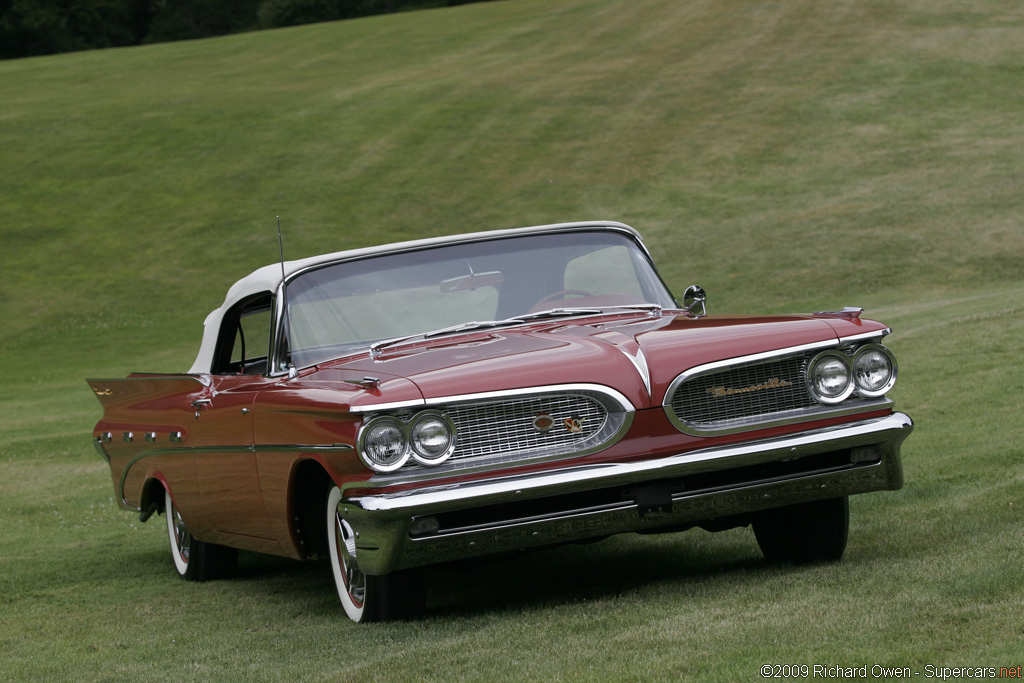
pixel 773 383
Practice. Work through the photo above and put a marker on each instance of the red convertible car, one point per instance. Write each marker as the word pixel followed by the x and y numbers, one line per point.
pixel 394 407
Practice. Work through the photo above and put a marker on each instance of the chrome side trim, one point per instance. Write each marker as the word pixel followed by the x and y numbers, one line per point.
pixel 98 442
pixel 145 377
pixel 303 448
pixel 207 450
pixel 137 458
pixel 275 448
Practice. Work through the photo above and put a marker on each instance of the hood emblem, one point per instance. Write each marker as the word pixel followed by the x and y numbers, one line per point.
pixel 773 383
pixel 573 424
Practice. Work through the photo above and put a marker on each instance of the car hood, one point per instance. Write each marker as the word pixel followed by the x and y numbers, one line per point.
pixel 638 357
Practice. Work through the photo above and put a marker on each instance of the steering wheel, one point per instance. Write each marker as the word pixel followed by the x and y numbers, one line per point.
pixel 561 294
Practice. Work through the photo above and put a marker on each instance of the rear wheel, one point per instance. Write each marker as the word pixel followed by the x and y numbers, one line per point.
pixel 366 597
pixel 804 533
pixel 196 560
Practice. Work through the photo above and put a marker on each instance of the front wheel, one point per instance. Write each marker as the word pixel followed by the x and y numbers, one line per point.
pixel 804 533
pixel 196 560
pixel 366 597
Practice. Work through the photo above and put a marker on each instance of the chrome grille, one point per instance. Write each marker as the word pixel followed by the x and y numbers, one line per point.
pixel 496 429
pixel 743 395
pixel 506 428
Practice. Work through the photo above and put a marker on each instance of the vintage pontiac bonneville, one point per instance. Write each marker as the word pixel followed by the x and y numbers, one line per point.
pixel 394 407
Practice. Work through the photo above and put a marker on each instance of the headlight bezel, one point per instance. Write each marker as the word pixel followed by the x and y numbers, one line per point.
pixel 884 388
pixel 848 360
pixel 842 362
pixel 404 440
pixel 421 418
pixel 367 431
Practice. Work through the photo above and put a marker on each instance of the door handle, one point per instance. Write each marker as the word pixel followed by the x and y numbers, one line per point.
pixel 200 404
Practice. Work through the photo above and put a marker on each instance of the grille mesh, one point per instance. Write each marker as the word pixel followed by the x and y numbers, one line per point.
pixel 505 428
pixel 751 392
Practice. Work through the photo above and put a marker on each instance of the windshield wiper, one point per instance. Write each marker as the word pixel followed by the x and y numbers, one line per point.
pixel 467 327
pixel 377 346
pixel 454 329
pixel 655 309
pixel 556 313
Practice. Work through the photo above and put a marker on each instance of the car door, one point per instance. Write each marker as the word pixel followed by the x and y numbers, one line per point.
pixel 222 436
pixel 225 461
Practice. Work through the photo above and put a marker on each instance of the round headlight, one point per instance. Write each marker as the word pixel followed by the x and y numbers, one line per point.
pixel 382 444
pixel 432 437
pixel 874 370
pixel 829 377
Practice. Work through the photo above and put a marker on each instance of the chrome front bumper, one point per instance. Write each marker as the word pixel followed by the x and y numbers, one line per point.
pixel 440 524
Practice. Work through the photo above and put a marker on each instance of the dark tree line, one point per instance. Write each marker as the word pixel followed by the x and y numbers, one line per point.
pixel 41 27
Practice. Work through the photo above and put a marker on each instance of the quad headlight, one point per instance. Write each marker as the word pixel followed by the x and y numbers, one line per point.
pixel 383 445
pixel 386 443
pixel 431 437
pixel 830 377
pixel 874 370
pixel 833 376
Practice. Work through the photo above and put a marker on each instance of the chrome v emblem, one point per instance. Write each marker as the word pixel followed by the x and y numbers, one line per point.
pixel 639 361
pixel 630 349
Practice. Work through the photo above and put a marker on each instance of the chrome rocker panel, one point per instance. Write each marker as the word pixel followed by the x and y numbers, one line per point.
pixel 383 521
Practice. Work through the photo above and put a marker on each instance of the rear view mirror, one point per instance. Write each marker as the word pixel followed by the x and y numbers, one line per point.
pixel 472 281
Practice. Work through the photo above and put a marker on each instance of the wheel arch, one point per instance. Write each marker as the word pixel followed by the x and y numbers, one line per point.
pixel 306 491
pixel 151 498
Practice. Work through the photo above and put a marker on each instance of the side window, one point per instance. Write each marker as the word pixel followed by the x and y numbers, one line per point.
pixel 252 341
pixel 244 340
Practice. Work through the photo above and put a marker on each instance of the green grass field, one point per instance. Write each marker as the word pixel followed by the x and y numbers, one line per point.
pixel 789 156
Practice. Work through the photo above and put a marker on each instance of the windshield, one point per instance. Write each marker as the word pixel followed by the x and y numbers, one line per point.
pixel 346 306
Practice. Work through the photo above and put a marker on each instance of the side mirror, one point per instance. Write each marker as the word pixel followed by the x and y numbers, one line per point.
pixel 694 298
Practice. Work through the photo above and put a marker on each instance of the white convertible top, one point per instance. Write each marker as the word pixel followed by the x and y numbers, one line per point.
pixel 268 278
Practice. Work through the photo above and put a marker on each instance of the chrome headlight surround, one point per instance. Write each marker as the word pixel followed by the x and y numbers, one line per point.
pixel 830 377
pixel 387 442
pixel 383 444
pixel 431 437
pixel 869 360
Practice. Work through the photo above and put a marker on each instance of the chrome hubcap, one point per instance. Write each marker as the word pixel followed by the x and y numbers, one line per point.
pixel 355 581
pixel 182 538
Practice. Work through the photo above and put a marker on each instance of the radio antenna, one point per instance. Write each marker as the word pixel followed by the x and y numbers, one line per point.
pixel 284 298
pixel 280 244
